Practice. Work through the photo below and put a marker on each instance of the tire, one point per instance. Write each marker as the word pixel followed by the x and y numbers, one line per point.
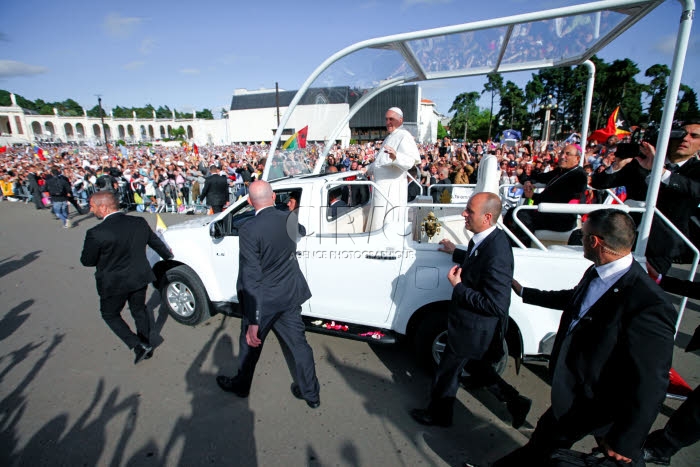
pixel 431 338
pixel 183 294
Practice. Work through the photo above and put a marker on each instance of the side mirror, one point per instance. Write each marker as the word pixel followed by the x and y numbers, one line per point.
pixel 215 230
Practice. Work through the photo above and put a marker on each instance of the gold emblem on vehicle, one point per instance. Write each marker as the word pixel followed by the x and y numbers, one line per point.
pixel 430 225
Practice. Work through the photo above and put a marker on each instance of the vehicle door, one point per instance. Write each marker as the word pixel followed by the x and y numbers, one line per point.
pixel 353 275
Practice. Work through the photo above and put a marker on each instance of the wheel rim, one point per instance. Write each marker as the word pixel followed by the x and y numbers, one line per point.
pixel 181 299
pixel 439 344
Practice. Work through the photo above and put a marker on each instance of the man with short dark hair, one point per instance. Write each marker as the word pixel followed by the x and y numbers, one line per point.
pixel 679 192
pixel 60 192
pixel 117 247
pixel 612 354
pixel 215 190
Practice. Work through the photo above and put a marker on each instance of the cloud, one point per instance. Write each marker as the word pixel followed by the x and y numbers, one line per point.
pixel 11 68
pixel 228 59
pixel 120 26
pixel 147 46
pixel 135 65
pixel 189 71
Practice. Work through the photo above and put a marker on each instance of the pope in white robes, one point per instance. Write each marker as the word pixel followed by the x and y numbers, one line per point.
pixel 398 154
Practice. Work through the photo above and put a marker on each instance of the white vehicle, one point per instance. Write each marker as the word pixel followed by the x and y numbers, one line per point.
pixel 391 282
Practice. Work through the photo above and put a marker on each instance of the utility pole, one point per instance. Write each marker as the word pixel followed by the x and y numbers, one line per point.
pixel 102 119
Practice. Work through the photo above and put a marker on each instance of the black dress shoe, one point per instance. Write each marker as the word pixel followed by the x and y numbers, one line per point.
pixel 519 408
pixel 426 417
pixel 296 392
pixel 650 456
pixel 142 352
pixel 229 385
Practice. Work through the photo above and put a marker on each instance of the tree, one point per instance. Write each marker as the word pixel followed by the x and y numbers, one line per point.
pixel 465 109
pixel 441 132
pixel 494 85
pixel 687 106
pixel 224 113
pixel 656 89
pixel 164 112
pixel 95 112
pixel 178 133
pixel 513 112
pixel 205 114
pixel 70 108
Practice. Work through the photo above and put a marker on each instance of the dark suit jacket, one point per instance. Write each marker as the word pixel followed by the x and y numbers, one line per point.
pixel 562 187
pixel 269 277
pixel 612 368
pixel 336 209
pixel 678 200
pixel 117 246
pixel 478 314
pixel 215 190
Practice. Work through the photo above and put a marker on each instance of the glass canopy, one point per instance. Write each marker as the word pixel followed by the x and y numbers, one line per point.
pixel 559 37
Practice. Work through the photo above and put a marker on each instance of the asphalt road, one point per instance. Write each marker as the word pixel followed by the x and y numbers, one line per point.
pixel 71 395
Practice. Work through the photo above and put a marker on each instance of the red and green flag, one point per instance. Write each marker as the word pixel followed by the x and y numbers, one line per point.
pixel 617 125
pixel 297 140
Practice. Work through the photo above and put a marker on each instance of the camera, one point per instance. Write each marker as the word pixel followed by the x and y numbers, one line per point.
pixel 649 135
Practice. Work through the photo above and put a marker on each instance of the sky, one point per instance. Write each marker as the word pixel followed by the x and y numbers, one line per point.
pixel 193 55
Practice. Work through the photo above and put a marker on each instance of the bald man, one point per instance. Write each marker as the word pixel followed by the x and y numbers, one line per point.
pixel 117 247
pixel 477 318
pixel 271 290
pixel 397 154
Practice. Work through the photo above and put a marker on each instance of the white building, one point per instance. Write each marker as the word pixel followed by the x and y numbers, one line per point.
pixel 253 117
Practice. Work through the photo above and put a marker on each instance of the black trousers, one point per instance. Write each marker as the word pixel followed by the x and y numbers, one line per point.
pixel 681 430
pixel 217 208
pixel 446 382
pixel 552 434
pixel 289 329
pixel 111 309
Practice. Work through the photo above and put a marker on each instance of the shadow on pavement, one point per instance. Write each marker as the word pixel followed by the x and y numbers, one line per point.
pixel 7 266
pixel 220 429
pixel 391 399
pixel 14 318
pixel 12 407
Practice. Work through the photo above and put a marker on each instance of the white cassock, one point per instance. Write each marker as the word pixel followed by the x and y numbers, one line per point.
pixel 390 176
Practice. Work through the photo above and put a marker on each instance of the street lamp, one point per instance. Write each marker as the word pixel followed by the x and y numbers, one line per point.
pixel 102 119
pixel 548 106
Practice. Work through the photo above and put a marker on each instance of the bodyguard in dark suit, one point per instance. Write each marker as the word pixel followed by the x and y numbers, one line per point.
pixel 478 314
pixel 679 192
pixel 683 427
pixel 117 247
pixel 612 353
pixel 271 290
pixel 563 184
pixel 215 190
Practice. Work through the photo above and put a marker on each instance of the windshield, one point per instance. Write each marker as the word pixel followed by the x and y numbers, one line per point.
pixel 344 100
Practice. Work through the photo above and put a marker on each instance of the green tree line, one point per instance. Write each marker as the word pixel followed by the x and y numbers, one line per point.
pixel 565 87
pixel 70 108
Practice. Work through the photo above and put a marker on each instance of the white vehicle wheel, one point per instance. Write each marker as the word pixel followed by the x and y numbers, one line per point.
pixel 184 296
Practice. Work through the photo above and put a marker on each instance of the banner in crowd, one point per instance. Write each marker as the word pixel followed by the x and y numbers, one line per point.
pixel 297 140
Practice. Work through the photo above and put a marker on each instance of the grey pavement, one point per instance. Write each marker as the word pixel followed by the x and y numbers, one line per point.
pixel 71 395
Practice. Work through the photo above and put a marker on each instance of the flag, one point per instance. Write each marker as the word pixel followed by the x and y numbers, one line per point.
pixel 195 149
pixel 3 149
pixel 617 125
pixel 160 225
pixel 123 151
pixel 297 140
pixel 38 152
